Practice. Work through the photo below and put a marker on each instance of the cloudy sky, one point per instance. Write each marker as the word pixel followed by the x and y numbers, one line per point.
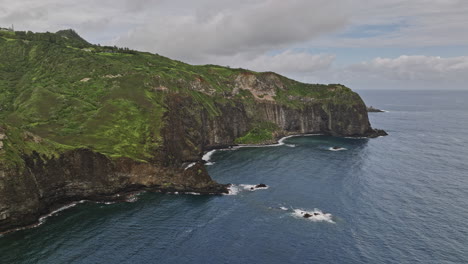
pixel 365 44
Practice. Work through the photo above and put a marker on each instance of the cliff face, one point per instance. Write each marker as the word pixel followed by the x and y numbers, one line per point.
pixel 78 123
pixel 45 184
pixel 81 174
pixel 197 131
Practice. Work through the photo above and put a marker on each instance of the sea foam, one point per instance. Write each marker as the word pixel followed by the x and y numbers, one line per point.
pixel 190 165
pixel 338 149
pixel 234 189
pixel 207 157
pixel 316 215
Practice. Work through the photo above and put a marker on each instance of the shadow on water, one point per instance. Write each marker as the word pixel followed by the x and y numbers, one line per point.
pixel 86 221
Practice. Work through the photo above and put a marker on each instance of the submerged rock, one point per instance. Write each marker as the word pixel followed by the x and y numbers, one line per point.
pixel 378 133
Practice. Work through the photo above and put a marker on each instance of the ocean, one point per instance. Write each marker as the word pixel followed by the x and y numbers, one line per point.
pixel 396 199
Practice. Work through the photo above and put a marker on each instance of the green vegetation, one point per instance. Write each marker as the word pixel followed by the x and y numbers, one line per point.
pixel 75 94
pixel 19 143
pixel 262 132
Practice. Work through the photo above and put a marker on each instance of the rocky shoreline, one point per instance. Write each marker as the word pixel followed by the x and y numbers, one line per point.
pixel 112 129
pixel 193 179
pixel 122 196
pixel 42 182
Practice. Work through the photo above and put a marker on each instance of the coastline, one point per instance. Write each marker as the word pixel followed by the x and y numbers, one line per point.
pixel 279 142
pixel 120 197
pixel 132 191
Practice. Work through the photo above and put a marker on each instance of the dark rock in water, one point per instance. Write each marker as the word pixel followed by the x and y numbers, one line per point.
pixel 261 185
pixel 378 133
pixel 307 215
pixel 335 147
pixel 371 109
pixel 316 214
pixel 252 188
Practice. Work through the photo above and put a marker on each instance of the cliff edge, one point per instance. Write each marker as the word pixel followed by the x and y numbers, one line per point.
pixel 81 121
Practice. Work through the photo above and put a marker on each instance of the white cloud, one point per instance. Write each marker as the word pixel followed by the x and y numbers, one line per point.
pixel 244 33
pixel 292 62
pixel 249 27
pixel 424 23
pixel 414 68
pixel 404 72
pixel 287 62
pixel 196 29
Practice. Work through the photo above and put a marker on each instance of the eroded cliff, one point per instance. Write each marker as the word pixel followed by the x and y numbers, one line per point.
pixel 81 122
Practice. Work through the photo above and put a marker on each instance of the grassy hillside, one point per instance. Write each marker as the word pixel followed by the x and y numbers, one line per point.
pixel 75 94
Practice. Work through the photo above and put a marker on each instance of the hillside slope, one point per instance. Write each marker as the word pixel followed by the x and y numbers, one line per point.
pixel 81 121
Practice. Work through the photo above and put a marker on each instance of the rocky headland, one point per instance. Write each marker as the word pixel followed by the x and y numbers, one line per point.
pixel 84 122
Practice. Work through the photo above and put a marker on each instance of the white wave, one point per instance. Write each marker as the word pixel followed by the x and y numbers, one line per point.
pixel 251 188
pixel 232 190
pixel 190 165
pixel 131 199
pixel 316 215
pixel 283 208
pixel 101 202
pixel 193 193
pixel 43 218
pixel 338 149
pixel 281 140
pixel 207 157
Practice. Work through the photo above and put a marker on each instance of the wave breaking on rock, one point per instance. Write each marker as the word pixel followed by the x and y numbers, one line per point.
pixel 315 215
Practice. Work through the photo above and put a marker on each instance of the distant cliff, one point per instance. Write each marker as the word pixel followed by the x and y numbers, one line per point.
pixel 80 121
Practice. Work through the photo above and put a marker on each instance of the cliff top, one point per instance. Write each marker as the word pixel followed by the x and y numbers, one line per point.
pixel 73 94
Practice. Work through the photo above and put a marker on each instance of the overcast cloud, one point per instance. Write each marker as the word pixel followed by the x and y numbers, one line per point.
pixel 276 35
pixel 407 72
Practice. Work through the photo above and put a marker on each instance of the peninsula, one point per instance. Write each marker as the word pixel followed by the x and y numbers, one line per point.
pixel 82 121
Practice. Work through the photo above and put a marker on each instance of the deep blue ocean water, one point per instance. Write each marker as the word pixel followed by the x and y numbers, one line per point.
pixel 396 199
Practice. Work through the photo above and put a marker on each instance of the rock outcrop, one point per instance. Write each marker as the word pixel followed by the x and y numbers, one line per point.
pixel 372 109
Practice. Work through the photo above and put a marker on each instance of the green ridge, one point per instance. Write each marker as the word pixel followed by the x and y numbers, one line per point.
pixel 75 94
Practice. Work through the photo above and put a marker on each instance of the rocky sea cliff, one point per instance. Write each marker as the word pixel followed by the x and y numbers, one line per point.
pixel 85 122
